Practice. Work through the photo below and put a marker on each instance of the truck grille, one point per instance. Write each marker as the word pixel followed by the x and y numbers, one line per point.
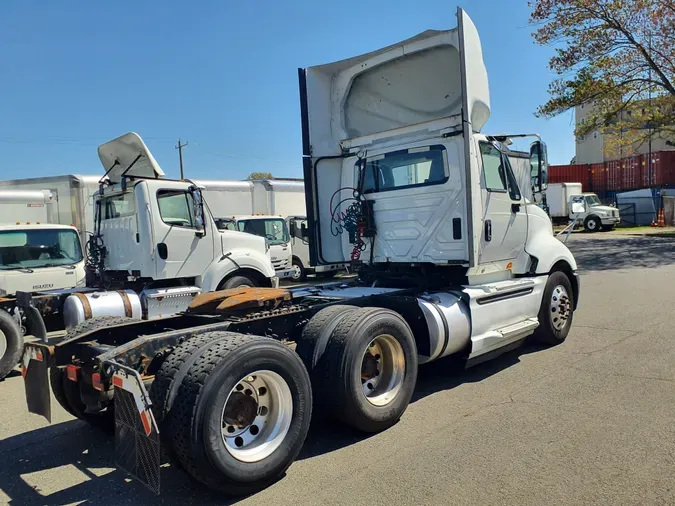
pixel 279 264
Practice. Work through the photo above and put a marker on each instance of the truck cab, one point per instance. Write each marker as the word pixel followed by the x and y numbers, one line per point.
pixel 155 229
pixel 40 257
pixel 274 229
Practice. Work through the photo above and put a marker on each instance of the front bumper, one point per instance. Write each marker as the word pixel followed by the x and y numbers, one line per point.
pixel 286 273
pixel 611 220
pixel 577 282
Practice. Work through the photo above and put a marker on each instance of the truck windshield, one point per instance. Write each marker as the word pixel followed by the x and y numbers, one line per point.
pixel 593 200
pixel 32 249
pixel 273 229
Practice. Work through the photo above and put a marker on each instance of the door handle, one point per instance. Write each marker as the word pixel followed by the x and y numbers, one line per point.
pixel 515 208
pixel 488 230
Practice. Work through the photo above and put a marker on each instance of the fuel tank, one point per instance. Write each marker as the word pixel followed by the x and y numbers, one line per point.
pixel 80 306
pixel 449 322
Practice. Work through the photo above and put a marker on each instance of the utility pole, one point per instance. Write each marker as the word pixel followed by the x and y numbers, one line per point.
pixel 180 147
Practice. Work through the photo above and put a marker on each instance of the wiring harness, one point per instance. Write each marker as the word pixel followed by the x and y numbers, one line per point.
pixel 357 219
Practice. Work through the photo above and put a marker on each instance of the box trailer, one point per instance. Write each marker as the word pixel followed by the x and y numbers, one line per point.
pixel 73 198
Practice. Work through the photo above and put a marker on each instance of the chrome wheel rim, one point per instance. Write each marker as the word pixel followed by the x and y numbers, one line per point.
pixel 296 273
pixel 3 344
pixel 256 416
pixel 382 370
pixel 561 307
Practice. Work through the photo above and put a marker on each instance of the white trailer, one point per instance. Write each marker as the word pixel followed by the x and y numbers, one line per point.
pixel 26 207
pixel 558 197
pixel 73 197
pixel 453 261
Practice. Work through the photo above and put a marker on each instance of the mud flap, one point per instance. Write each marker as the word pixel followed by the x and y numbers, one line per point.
pixel 35 371
pixel 136 432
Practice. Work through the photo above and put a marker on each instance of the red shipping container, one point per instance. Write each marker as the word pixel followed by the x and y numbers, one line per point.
pixel 569 174
pixel 598 177
pixel 630 169
pixel 613 169
pixel 668 162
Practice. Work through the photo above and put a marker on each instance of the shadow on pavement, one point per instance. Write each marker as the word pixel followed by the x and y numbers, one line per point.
pixel 613 253
pixel 71 462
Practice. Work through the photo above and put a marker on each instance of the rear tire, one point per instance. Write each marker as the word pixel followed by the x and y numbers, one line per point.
pixel 11 343
pixel 67 393
pixel 557 310
pixel 220 395
pixel 239 282
pixel 369 369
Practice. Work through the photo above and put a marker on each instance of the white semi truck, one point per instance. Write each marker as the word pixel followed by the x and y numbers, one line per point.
pixel 153 248
pixel 452 262
pixel 593 215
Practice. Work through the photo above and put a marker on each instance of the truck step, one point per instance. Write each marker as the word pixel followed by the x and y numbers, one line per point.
pixel 519 329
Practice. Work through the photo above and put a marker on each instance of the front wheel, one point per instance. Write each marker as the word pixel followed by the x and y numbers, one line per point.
pixel 239 282
pixel 592 224
pixel 300 273
pixel 557 310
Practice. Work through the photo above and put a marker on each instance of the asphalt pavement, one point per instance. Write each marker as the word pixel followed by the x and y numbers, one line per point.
pixel 589 422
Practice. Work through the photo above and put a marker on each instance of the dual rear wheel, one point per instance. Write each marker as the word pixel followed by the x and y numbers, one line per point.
pixel 235 409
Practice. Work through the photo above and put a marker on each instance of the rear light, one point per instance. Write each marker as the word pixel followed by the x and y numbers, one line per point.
pixel 96 382
pixel 72 371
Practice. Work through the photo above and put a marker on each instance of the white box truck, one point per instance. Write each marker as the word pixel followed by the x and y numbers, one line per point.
pixel 73 197
pixel 593 215
pixel 470 270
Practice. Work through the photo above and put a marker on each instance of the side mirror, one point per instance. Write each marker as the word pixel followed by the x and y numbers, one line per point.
pixel 578 205
pixel 292 227
pixel 198 211
pixel 538 166
pixel 303 231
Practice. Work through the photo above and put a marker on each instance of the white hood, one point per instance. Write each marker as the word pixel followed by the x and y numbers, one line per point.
pixel 431 76
pixel 128 155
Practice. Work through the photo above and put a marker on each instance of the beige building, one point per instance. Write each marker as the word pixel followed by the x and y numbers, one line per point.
pixel 597 148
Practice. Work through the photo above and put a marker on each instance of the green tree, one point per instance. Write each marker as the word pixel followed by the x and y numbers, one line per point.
pixel 260 175
pixel 618 56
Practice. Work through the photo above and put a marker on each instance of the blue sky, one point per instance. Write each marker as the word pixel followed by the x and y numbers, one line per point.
pixel 222 75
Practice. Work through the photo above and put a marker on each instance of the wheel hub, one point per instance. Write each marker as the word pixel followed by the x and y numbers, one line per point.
pixel 382 370
pixel 3 344
pixel 561 307
pixel 256 416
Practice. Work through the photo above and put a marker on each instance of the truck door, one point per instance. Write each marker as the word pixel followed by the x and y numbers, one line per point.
pixel 181 251
pixel 505 218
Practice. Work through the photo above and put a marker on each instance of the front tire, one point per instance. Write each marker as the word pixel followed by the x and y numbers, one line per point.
pixel 370 369
pixel 241 413
pixel 556 311
pixel 301 272
pixel 11 343
pixel 239 282
pixel 592 224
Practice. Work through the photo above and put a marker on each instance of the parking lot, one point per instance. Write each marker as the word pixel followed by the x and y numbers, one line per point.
pixel 589 422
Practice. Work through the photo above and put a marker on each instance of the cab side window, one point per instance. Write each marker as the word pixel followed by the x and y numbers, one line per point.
pixel 498 172
pixel 493 168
